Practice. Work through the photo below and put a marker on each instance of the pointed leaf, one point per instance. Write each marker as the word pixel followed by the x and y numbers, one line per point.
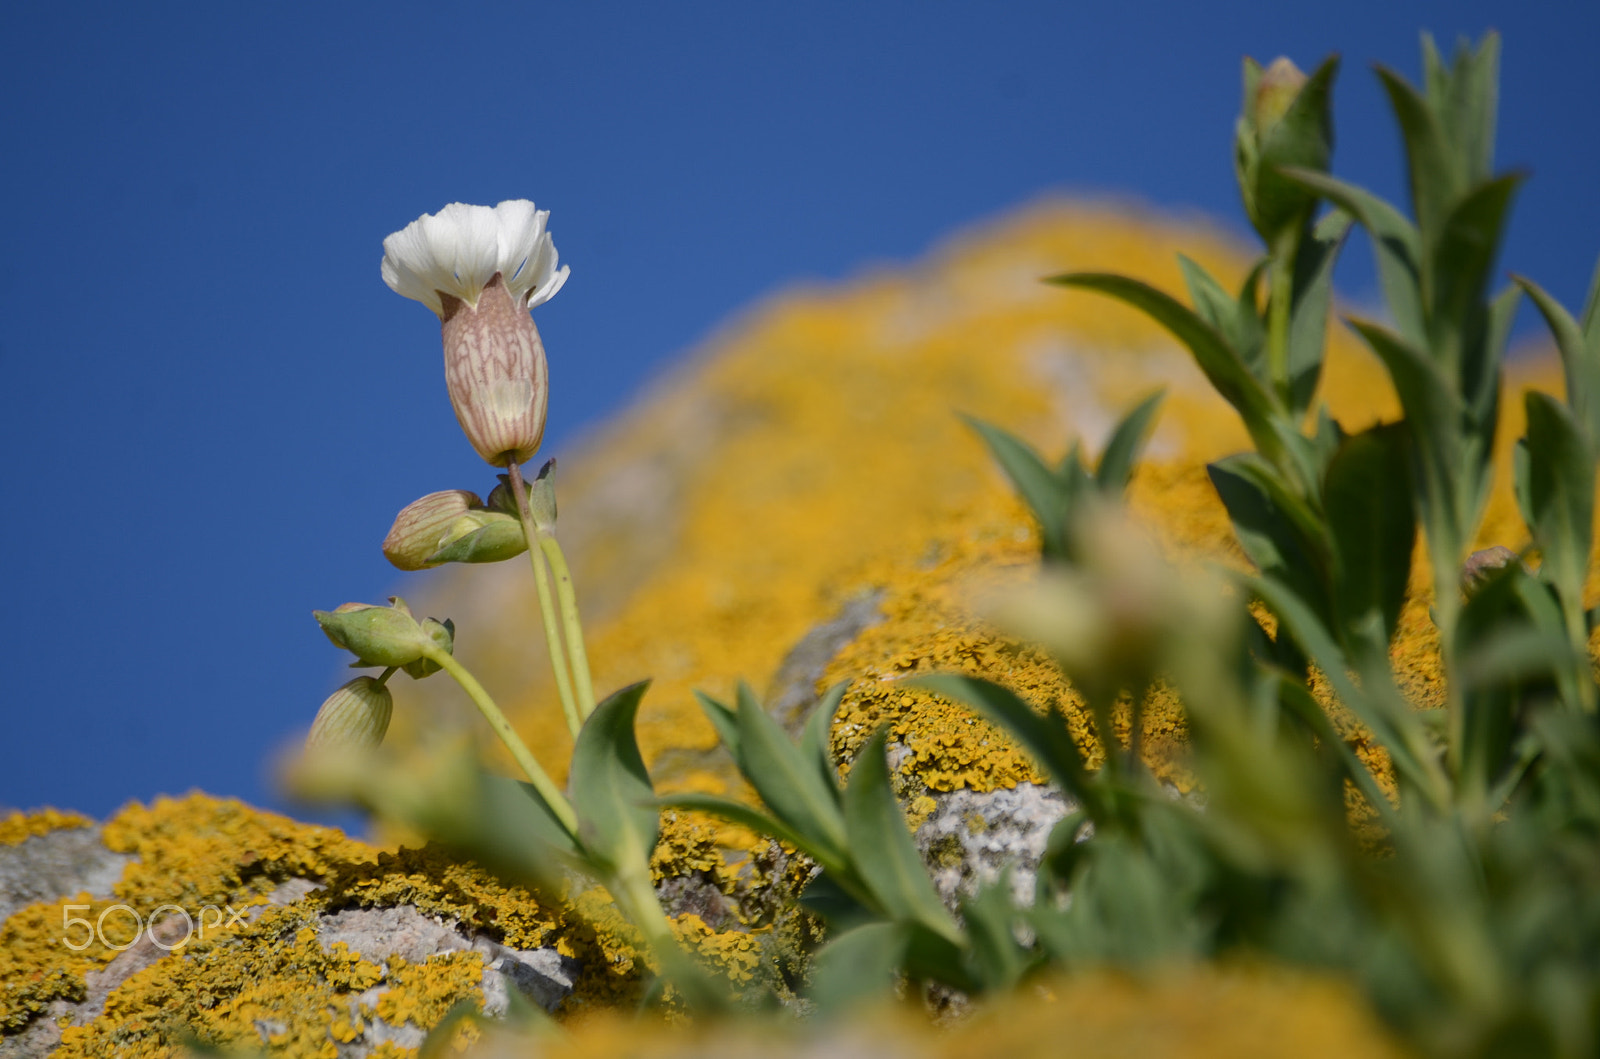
pixel 746 816
pixel 817 739
pixel 1560 491
pixel 787 780
pixel 858 967
pixel 1238 324
pixel 1127 442
pixel 882 849
pixel 725 722
pixel 1219 361
pixel 1395 242
pixel 1035 483
pixel 1367 495
pixel 1276 529
pixel 1308 313
pixel 1463 257
pixel 841 901
pixel 1580 358
pixel 1435 179
pixel 991 918
pixel 611 790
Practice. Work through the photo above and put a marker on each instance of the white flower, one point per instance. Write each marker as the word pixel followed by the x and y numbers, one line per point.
pixel 481 270
pixel 458 250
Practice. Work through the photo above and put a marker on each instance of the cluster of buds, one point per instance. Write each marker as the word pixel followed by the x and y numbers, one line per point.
pixel 481 270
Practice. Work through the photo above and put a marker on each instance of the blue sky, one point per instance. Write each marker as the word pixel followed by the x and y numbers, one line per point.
pixel 212 406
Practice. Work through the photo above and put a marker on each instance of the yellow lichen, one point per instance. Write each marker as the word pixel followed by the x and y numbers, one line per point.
pixel 17 827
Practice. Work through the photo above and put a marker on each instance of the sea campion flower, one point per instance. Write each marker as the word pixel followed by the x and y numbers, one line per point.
pixel 481 270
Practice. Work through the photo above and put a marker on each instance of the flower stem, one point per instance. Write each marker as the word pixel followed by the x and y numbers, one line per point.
pixel 571 624
pixel 502 728
pixel 547 611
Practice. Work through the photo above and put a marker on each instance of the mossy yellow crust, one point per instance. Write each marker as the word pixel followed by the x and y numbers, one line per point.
pixel 1205 1013
pixel 18 827
pixel 226 983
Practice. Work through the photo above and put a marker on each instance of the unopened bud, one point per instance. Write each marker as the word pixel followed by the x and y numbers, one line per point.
pixel 480 536
pixel 1484 566
pixel 1277 90
pixel 421 526
pixel 378 636
pixel 495 368
pixel 442 633
pixel 355 717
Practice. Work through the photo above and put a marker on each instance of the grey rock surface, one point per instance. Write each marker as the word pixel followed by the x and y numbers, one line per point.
pixel 971 837
pixel 543 976
pixel 793 694
pixel 59 864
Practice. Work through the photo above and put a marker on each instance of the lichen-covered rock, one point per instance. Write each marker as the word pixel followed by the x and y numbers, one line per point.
pixel 798 506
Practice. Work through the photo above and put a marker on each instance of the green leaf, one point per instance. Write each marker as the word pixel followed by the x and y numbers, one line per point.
pixel 1239 324
pixel 817 738
pixel 1435 178
pixel 1038 486
pixel 1561 494
pixel 1276 529
pixel 1045 738
pixel 1395 241
pixel 1463 256
pixel 1375 702
pixel 1590 319
pixel 1367 495
pixel 1580 356
pixel 998 961
pixel 725 722
pixel 1221 364
pixel 1308 313
pixel 787 779
pixel 858 967
pixel 1127 442
pixel 882 849
pixel 746 816
pixel 843 907
pixel 611 790
pixel 1435 417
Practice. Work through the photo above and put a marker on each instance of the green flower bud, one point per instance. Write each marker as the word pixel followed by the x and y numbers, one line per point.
pixel 378 636
pixel 421 525
pixel 442 633
pixel 1287 121
pixel 1278 87
pixel 480 536
pixel 355 717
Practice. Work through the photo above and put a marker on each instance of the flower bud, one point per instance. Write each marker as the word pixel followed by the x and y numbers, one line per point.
pixel 1484 566
pixel 378 636
pixel 442 633
pixel 481 269
pixel 480 536
pixel 354 717
pixel 421 525
pixel 1286 122
pixel 495 369
pixel 1278 87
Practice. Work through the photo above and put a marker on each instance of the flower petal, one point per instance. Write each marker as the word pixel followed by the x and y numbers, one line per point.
pixel 458 250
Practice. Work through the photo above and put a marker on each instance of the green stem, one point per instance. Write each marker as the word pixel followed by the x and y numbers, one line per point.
pixel 387 673
pixel 547 610
pixel 502 728
pixel 1279 301
pixel 573 627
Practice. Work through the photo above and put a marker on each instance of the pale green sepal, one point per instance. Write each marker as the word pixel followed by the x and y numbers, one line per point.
pixel 378 636
pixel 480 537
